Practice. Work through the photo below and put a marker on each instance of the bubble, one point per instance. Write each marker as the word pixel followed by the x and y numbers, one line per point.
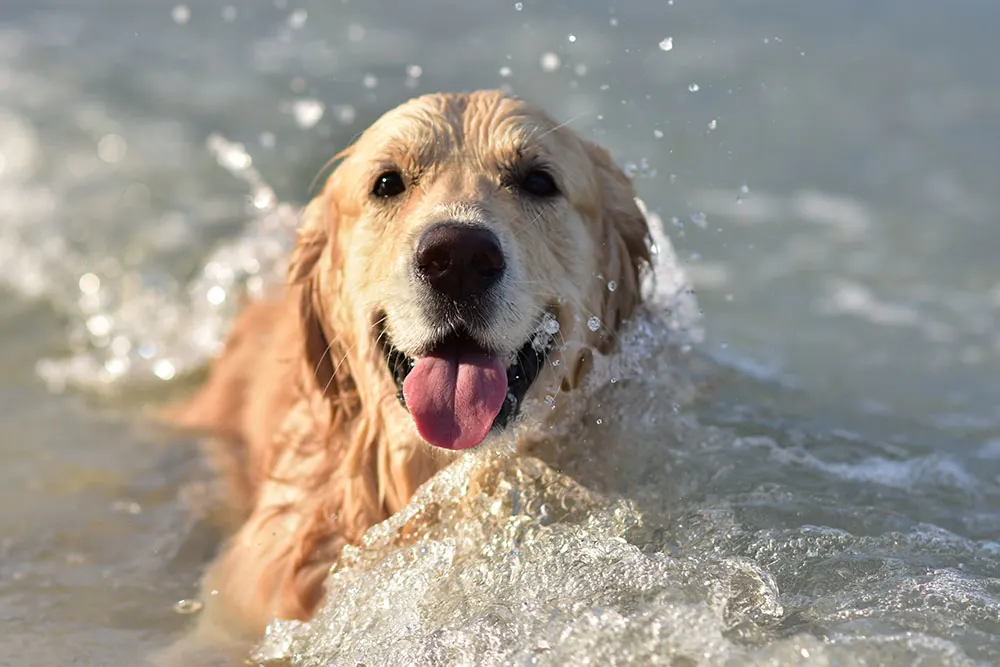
pixel 694 88
pixel 414 71
pixel 594 323
pixel 599 421
pixel 369 81
pixel 612 286
pixel 267 139
pixel 699 219
pixel 297 19
pixel 613 22
pixel 307 112
pixel 658 134
pixel 580 70
pixel 550 62
pixel 712 124
pixel 571 38
pixel 111 148
pixel 188 606
pixel 505 71
pixel 181 14
pixel 518 6
pixel 229 13
pixel 550 401
pixel 667 44
pixel 551 325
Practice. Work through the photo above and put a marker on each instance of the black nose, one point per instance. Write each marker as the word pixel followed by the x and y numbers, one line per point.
pixel 459 261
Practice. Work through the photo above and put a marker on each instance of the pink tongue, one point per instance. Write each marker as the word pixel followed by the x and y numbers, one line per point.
pixel 455 396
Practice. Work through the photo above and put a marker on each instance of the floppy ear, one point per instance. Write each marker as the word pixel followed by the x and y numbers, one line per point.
pixel 326 369
pixel 623 244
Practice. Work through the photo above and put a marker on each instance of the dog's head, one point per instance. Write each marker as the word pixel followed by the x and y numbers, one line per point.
pixel 464 255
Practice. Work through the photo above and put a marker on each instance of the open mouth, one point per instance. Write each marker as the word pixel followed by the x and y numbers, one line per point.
pixel 459 392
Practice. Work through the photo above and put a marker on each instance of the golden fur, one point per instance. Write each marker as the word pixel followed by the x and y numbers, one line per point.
pixel 316 447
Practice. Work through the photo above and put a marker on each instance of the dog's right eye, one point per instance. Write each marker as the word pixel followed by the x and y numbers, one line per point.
pixel 389 184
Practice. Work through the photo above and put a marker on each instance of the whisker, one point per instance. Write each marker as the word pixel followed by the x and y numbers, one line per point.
pixel 561 125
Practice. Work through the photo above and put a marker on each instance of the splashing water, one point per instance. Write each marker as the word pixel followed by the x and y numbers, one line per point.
pixel 504 560
pixel 136 332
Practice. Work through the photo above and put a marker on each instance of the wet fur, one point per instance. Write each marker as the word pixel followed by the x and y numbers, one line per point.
pixel 309 435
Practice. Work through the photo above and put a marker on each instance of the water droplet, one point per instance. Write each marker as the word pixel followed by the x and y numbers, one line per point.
pixel 263 198
pixel 346 114
pixel 355 32
pixel 89 283
pixel 126 507
pixel 369 81
pixel 111 148
pixel 188 606
pixel 99 325
pixel 744 191
pixel 216 295
pixel 307 112
pixel 505 71
pixel 164 369
pixel 551 325
pixel 612 286
pixel 694 87
pixel 297 19
pixel 550 62
pixel 181 14
pixel 667 44
pixel 594 323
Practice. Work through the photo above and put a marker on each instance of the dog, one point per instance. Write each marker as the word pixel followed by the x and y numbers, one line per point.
pixel 454 276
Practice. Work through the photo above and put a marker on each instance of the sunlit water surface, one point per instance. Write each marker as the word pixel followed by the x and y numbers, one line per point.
pixel 827 175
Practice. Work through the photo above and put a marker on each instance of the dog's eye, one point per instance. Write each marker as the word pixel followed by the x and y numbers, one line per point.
pixel 389 184
pixel 539 183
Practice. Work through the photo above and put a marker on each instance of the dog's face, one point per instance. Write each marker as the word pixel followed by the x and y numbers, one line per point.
pixel 463 253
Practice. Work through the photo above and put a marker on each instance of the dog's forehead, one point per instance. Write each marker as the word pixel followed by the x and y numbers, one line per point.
pixel 430 127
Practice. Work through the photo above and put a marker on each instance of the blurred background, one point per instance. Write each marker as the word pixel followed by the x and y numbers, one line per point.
pixel 827 173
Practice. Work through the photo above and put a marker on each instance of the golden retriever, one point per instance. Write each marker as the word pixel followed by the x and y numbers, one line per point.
pixel 455 274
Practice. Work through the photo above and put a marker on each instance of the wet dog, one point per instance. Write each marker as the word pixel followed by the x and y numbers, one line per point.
pixel 459 267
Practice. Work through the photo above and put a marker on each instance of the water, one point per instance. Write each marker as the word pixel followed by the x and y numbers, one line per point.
pixel 831 493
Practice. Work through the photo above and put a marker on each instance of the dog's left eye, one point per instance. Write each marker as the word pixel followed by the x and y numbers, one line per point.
pixel 389 184
pixel 539 183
